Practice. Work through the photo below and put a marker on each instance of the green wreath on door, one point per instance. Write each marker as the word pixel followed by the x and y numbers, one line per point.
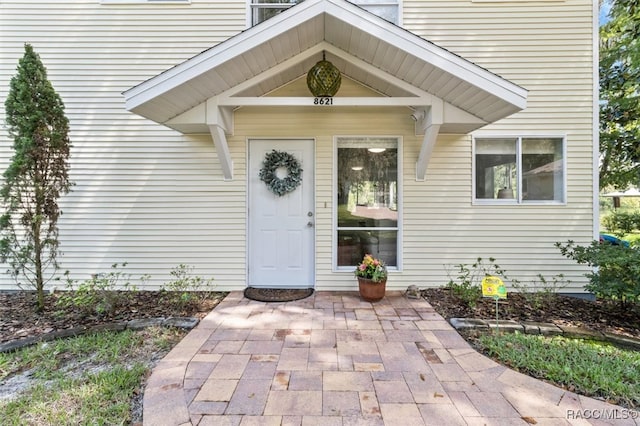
pixel 268 173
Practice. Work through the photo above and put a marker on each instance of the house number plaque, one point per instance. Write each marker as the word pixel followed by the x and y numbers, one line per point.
pixel 323 101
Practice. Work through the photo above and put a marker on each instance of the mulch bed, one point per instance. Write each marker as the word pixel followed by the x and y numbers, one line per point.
pixel 558 310
pixel 19 319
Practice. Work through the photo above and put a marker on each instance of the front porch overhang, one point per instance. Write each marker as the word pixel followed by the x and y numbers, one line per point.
pixel 447 93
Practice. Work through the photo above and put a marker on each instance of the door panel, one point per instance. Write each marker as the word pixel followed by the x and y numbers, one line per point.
pixel 281 228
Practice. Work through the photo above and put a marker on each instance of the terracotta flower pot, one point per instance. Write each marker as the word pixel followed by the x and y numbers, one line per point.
pixel 370 290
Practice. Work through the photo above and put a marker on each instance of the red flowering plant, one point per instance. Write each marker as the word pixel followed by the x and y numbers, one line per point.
pixel 371 268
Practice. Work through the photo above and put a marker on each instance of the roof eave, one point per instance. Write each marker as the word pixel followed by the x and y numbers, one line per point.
pixel 509 96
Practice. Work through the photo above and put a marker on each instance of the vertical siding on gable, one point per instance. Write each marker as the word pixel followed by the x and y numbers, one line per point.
pixel 145 194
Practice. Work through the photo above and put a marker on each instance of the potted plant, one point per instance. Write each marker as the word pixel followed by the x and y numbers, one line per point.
pixel 372 278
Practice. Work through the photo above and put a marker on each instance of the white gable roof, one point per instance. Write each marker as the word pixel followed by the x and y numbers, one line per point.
pixel 368 49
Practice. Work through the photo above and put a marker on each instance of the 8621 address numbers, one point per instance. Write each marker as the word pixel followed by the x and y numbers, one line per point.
pixel 323 101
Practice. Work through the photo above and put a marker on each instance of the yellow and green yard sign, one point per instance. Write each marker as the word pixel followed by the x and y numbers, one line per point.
pixel 493 287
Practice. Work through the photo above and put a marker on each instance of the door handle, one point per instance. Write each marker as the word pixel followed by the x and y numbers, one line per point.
pixel 309 224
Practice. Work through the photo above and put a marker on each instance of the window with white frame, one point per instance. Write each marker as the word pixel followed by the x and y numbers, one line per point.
pixel 519 169
pixel 387 10
pixel 261 10
pixel 367 200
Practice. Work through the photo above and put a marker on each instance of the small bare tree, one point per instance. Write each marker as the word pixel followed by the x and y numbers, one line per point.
pixel 38 174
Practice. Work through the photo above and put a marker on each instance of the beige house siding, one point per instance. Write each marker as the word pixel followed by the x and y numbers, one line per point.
pixel 145 194
pixel 445 229
pixel 547 48
pixel 151 197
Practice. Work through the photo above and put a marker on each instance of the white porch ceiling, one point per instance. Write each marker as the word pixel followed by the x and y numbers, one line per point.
pixel 380 55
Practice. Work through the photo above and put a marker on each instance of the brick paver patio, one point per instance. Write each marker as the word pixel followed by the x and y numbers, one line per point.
pixel 332 359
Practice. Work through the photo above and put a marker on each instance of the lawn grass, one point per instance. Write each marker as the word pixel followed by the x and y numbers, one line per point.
pixel 590 368
pixel 633 238
pixel 83 380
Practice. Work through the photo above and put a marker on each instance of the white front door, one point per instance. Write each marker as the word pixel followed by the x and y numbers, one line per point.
pixel 281 228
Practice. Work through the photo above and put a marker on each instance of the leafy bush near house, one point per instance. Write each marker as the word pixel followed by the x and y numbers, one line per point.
pixel 465 281
pixel 542 291
pixel 185 287
pixel 104 293
pixel 101 294
pixel 616 276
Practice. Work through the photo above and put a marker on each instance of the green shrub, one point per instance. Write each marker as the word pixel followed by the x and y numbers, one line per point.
pixel 185 287
pixel 616 273
pixel 102 294
pixel 543 291
pixel 467 282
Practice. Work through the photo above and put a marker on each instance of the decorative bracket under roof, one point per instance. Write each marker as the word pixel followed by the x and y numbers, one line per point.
pixel 219 121
pixel 428 122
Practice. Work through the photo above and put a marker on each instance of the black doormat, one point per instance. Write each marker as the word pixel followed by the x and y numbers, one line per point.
pixel 277 294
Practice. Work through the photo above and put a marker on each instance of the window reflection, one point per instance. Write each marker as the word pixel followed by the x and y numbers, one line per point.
pixel 520 169
pixel 367 195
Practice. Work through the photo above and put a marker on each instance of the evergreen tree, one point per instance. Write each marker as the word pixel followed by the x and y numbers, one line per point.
pixel 37 176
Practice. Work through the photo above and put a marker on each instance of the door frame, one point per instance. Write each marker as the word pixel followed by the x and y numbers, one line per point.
pixel 312 266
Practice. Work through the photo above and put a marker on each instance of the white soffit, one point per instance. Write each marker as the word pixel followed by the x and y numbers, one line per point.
pixel 342 27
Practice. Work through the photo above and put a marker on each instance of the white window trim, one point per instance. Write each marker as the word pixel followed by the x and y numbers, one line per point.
pixel 518 201
pixel 252 4
pixel 334 215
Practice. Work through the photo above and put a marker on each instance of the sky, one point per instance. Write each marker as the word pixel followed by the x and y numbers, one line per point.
pixel 604 11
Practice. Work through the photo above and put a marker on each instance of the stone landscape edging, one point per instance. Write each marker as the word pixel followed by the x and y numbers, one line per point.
pixel 186 323
pixel 547 329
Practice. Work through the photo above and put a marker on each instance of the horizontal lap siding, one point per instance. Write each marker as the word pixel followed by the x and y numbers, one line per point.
pixel 546 47
pixel 442 227
pixel 151 197
pixel 144 194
